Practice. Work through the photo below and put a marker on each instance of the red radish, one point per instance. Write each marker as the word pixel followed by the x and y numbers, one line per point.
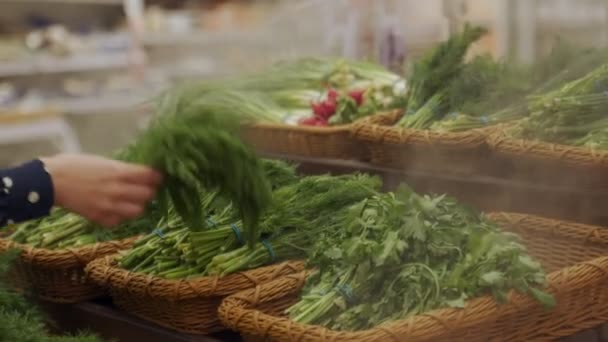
pixel 324 109
pixel 317 108
pixel 329 109
pixel 357 95
pixel 332 94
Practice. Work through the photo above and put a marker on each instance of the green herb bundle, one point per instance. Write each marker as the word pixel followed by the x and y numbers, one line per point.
pixel 21 320
pixel 433 73
pixel 302 209
pixel 199 152
pixel 486 92
pixel 62 229
pixel 574 114
pixel 302 213
pixel 201 148
pixel 401 254
pixel 177 250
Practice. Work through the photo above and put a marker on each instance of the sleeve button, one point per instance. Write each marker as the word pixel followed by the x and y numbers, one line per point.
pixel 33 197
pixel 8 182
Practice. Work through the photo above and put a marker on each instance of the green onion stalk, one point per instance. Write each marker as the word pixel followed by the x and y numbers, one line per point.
pixel 57 230
pixel 359 75
pixel 568 114
pixel 293 225
pixel 62 229
pixel 301 210
pixel 284 246
pixel 597 139
pixel 249 105
pixel 187 249
pixel 296 98
pixel 207 244
pixel 565 119
pixel 424 117
pixel 304 73
pixel 459 122
pixel 168 250
pixel 593 82
pixel 559 73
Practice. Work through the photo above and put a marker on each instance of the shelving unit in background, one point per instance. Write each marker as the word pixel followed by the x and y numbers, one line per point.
pixel 109 54
pixel 526 29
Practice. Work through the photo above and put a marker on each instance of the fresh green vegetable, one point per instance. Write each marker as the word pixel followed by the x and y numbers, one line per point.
pixel 301 211
pixel 404 254
pixel 573 114
pixel 290 92
pixel 435 71
pixel 63 229
pixel 21 320
pixel 200 152
pixel 496 92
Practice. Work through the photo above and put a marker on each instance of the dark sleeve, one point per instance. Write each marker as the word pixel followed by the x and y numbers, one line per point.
pixel 26 192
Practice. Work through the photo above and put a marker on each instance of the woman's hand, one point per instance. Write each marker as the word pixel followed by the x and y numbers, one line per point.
pixel 104 191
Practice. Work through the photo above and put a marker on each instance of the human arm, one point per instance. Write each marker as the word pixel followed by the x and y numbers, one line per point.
pixel 102 190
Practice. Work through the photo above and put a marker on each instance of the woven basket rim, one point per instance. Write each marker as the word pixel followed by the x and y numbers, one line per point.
pixel 242 305
pixel 306 129
pixel 563 228
pixel 66 257
pixel 498 138
pixel 433 320
pixel 377 126
pixel 105 272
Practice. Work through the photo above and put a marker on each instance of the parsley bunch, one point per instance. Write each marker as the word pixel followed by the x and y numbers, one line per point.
pixel 402 254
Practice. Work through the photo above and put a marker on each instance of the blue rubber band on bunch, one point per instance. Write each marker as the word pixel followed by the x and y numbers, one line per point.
pixel 452 115
pixel 347 292
pixel 237 233
pixel 484 119
pixel 270 250
pixel 211 222
pixel 159 233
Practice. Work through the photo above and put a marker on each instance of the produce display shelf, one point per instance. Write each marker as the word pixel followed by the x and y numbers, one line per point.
pixel 113 103
pixel 487 193
pixel 102 318
pixel 107 321
pixel 51 65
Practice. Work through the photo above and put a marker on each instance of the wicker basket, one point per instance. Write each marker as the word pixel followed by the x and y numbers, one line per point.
pixel 58 275
pixel 188 306
pixel 548 163
pixel 313 142
pixel 575 254
pixel 425 150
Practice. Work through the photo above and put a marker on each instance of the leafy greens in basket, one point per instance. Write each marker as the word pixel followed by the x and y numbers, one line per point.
pixel 402 254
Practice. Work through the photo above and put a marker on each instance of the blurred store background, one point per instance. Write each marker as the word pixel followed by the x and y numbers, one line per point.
pixel 77 75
